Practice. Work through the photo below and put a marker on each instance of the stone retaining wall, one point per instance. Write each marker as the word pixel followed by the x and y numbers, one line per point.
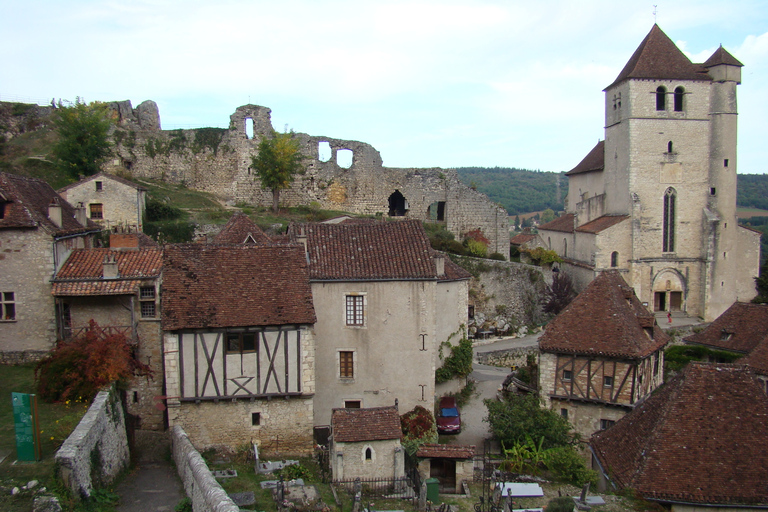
pixel 204 491
pixel 508 357
pixel 97 450
pixel 16 357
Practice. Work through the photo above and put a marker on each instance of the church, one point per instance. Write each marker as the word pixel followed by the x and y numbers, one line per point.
pixel 656 200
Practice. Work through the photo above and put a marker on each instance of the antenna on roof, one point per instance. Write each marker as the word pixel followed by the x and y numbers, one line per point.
pixel 654 13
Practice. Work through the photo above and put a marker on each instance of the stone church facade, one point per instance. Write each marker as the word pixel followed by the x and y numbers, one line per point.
pixel 656 200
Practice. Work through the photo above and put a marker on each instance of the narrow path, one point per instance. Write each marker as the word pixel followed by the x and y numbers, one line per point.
pixel 153 485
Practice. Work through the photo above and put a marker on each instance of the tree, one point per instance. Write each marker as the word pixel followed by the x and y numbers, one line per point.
pixel 515 417
pixel 277 164
pixel 83 130
pixel 558 295
pixel 547 215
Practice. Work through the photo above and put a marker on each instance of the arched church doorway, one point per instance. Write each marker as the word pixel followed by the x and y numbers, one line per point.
pixel 668 291
pixel 398 205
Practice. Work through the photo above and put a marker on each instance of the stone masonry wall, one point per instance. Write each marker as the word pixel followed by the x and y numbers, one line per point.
pixel 218 161
pixel 199 484
pixel 509 357
pixel 99 438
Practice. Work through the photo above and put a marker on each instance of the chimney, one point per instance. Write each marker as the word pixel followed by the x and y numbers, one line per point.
pixel 80 215
pixel 440 264
pixel 110 267
pixel 302 238
pixel 124 241
pixel 54 212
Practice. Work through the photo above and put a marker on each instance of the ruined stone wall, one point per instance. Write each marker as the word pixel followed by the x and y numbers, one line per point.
pixel 340 174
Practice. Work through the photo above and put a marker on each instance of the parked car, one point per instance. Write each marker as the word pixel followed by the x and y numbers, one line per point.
pixel 448 417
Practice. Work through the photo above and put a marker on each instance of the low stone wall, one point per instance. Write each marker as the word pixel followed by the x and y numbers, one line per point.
pixel 508 357
pixel 204 491
pixel 97 450
pixel 16 357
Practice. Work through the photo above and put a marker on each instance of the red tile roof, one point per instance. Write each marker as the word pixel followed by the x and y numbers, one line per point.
pixel 599 224
pixel 563 223
pixel 757 359
pixel 446 451
pixel 701 438
pixel 721 56
pixel 368 251
pixel 211 286
pixel 27 206
pixel 522 238
pixel 240 230
pixel 82 273
pixel 373 424
pixel 658 57
pixel 594 161
pixel 606 319
pixel 453 272
pixel 739 329
pixel 102 176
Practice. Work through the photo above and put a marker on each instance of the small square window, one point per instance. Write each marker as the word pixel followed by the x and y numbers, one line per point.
pixel 241 341
pixel 567 375
pixel 255 418
pixel 147 292
pixel 608 382
pixel 97 210
pixel 606 424
pixel 8 306
pixel 725 163
pixel 564 413
pixel 99 186
pixel 352 404
pixel 148 309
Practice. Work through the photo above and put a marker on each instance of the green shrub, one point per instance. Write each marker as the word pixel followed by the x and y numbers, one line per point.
pixel 458 364
pixel 568 466
pixel 497 256
pixel 560 504
pixel 173 232
pixel 293 472
pixel 157 211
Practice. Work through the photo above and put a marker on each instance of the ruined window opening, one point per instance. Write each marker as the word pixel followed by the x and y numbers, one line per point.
pixel 398 205
pixel 614 259
pixel 436 211
pixel 324 152
pixel 255 418
pixel 712 191
pixel 355 308
pixel 248 128
pixel 344 158
pixel 471 311
pixel 661 98
pixel 346 364
pixel 8 306
pixel 679 95
pixel 97 210
pixel 668 232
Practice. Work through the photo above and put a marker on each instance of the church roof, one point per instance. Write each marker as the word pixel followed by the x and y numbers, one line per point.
pixel 599 224
pixel 372 424
pixel 700 438
pixel 739 329
pixel 606 319
pixel 594 161
pixel 658 57
pixel 721 56
pixel 240 229
pixel 563 223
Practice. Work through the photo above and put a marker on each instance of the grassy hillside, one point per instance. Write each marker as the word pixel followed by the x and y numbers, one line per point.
pixel 518 190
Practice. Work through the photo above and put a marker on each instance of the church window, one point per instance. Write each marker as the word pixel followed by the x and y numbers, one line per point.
pixel 661 98
pixel 669 147
pixel 725 163
pixel 368 453
pixel 679 94
pixel 614 259
pixel 712 191
pixel 668 231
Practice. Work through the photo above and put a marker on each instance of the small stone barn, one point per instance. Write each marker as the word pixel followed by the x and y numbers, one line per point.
pixel 451 464
pixel 365 444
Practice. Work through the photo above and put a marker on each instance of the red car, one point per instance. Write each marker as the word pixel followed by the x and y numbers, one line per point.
pixel 448 416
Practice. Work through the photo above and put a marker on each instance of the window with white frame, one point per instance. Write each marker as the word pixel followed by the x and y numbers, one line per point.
pixel 7 306
pixel 355 310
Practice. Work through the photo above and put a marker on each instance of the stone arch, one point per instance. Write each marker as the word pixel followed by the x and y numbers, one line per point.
pixel 398 204
pixel 368 454
pixel 436 211
pixel 668 288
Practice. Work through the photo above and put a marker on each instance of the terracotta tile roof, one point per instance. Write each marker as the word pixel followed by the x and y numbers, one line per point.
pixel 240 230
pixel 594 161
pixel 82 273
pixel 658 57
pixel 701 438
pixel 606 319
pixel 453 272
pixel 563 223
pixel 210 286
pixel 27 206
pixel 373 424
pixel 739 329
pixel 368 251
pixel 103 176
pixel 757 359
pixel 721 56
pixel 599 224
pixel 522 238
pixel 446 451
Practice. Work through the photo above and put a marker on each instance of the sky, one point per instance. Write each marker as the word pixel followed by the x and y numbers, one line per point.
pixel 427 83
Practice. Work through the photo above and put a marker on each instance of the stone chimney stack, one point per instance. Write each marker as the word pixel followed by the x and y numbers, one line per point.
pixel 54 212
pixel 80 215
pixel 110 267
pixel 302 238
pixel 439 264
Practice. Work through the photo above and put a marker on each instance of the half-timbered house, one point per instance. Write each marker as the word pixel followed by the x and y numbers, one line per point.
pixel 601 356
pixel 118 288
pixel 239 345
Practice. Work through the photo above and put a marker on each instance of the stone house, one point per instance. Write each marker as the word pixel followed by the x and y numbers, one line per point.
pixel 239 345
pixel 365 444
pixel 601 356
pixel 119 289
pixel 385 302
pixel 110 200
pixel 696 444
pixel 38 230
pixel 451 464
pixel 656 200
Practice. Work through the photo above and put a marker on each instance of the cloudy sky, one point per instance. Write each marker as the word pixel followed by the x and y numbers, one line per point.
pixel 427 83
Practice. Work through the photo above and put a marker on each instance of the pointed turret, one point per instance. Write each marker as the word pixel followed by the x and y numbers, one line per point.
pixel 724 67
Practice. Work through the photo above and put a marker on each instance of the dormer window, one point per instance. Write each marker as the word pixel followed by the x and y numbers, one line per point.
pixel 661 98
pixel 726 335
pixel 679 94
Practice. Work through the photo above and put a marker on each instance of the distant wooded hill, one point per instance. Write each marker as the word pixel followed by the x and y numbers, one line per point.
pixel 523 191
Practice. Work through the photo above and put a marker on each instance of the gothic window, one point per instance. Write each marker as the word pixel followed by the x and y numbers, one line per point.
pixel 614 259
pixel 668 231
pixel 661 98
pixel 679 93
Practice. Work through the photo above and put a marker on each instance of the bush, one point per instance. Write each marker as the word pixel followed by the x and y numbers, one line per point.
pixel 560 504
pixel 568 466
pixel 173 232
pixel 458 364
pixel 497 256
pixel 157 211
pixel 419 428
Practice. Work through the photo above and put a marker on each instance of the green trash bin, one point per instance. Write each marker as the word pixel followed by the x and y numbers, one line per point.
pixel 433 490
